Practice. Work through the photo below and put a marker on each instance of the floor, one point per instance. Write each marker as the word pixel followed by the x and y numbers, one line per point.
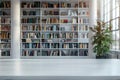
pixel 60 69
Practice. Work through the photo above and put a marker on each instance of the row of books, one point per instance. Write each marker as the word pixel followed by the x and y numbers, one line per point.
pixel 31 45
pixel 83 45
pixel 83 13
pixel 54 4
pixel 5 28
pixel 65 40
pixel 83 52
pixel 84 28
pixel 31 27
pixel 39 35
pixel 49 28
pixel 68 35
pixel 54 45
pixel 51 12
pixel 69 13
pixel 37 20
pixel 57 40
pixel 30 20
pixel 39 45
pixel 83 20
pixel 70 45
pixel 31 12
pixel 5 4
pixel 40 53
pixel 59 5
pixel 75 45
pixel 5 53
pixel 73 20
pixel 75 13
pixel 50 5
pixel 68 28
pixel 37 4
pixel 5 40
pixel 74 52
pixel 84 4
pixel 83 35
pixel 53 40
pixel 68 5
pixel 39 28
pixel 28 40
pixel 5 20
pixel 50 45
pixel 5 45
pixel 32 4
pixel 49 20
pixel 74 28
pixel 54 52
pixel 45 45
pixel 31 35
pixel 49 35
pixel 50 40
pixel 29 53
pixel 5 35
pixel 4 13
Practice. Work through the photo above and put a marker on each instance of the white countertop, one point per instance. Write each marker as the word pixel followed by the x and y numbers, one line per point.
pixel 60 68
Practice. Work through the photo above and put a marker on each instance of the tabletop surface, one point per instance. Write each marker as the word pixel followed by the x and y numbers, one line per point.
pixel 60 67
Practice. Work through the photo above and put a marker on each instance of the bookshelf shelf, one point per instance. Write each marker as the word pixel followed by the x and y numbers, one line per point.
pixel 54 28
pixel 30 8
pixel 50 16
pixel 5 28
pixel 68 8
pixel 49 8
pixel 5 16
pixel 5 49
pixel 25 16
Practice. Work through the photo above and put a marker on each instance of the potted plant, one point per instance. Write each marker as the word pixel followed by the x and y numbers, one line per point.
pixel 102 39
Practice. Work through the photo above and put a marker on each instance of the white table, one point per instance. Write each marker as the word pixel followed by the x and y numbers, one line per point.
pixel 60 69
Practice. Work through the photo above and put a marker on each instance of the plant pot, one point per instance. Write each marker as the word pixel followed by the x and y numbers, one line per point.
pixel 106 56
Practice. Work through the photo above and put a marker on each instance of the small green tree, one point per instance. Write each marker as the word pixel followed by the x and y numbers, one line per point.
pixel 102 38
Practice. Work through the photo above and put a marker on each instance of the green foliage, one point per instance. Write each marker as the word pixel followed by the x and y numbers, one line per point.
pixel 102 38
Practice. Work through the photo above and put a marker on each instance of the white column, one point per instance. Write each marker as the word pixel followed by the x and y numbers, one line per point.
pixel 93 12
pixel 15 29
pixel 93 19
pixel 119 26
pixel 101 10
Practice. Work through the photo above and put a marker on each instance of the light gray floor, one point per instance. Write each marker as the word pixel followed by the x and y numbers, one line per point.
pixel 60 69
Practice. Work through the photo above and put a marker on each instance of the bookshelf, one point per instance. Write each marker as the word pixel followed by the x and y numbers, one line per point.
pixel 54 28
pixel 5 28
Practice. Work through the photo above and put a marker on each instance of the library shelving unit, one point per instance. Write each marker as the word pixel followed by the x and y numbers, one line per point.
pixel 5 28
pixel 54 28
